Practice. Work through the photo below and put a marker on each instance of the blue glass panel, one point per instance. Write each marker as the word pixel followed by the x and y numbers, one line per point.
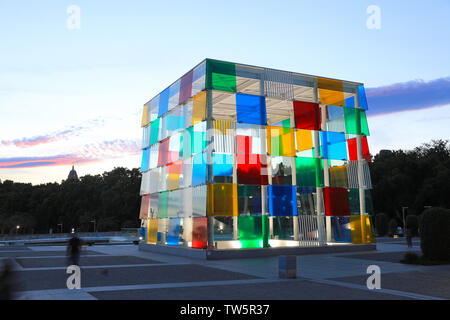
pixel 350 102
pixel 341 229
pixel 174 122
pixel 223 165
pixel 282 200
pixel 199 169
pixel 145 159
pixel 173 234
pixel 362 98
pixel 333 145
pixel 163 102
pixel 251 109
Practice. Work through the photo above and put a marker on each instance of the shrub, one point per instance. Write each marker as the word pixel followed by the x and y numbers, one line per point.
pixel 392 226
pixel 412 223
pixel 381 224
pixel 435 234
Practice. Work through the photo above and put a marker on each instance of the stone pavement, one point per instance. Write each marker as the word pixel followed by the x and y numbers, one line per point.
pixel 124 272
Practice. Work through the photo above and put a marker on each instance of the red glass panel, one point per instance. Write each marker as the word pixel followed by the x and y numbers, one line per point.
pixel 352 151
pixel 307 115
pixel 336 201
pixel 199 233
pixel 251 170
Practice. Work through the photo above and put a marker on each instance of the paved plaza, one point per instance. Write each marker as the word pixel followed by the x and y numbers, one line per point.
pixel 124 272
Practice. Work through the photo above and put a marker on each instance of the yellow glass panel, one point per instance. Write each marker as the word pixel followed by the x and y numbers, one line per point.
pixel 304 139
pixel 222 200
pixel 152 233
pixel 331 92
pixel 361 229
pixel 199 108
pixel 338 176
pixel 281 141
pixel 145 118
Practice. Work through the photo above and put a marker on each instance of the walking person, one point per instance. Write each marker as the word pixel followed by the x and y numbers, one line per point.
pixel 409 237
pixel 73 250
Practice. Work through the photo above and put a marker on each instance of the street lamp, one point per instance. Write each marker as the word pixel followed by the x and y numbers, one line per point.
pixel 17 229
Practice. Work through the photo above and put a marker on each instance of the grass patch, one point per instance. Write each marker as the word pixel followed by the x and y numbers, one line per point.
pixel 415 259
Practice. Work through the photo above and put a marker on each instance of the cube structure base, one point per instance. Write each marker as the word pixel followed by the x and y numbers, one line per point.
pixel 238 157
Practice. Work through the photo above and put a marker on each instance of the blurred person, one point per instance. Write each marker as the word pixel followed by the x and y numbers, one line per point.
pixel 73 249
pixel 7 281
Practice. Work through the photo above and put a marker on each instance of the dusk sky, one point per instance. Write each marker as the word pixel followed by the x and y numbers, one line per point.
pixel 75 96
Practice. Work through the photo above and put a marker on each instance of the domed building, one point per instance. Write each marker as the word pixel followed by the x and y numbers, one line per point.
pixel 72 174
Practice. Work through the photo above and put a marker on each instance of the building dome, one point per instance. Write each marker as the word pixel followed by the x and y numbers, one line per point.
pixel 73 174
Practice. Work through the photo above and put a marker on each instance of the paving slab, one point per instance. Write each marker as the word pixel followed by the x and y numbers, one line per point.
pixel 432 282
pixel 92 277
pixel 394 257
pixel 292 290
pixel 84 261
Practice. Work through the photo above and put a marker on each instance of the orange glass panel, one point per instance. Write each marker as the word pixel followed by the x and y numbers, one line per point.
pixel 145 119
pixel 304 139
pixel 222 200
pixel 152 231
pixel 361 230
pixel 199 108
pixel 331 92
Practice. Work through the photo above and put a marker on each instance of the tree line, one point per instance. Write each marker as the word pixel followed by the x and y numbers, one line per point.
pixel 416 179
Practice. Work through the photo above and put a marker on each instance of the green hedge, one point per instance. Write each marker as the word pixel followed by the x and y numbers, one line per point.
pixel 435 234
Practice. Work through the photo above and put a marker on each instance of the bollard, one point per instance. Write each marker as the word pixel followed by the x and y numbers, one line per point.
pixel 287 267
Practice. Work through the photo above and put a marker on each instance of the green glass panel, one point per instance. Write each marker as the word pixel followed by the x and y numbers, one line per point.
pixel 309 172
pixel 163 204
pixel 154 131
pixel 353 198
pixel 253 231
pixel 283 228
pixel 221 75
pixel 355 121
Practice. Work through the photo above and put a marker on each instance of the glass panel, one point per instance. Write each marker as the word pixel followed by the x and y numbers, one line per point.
pixel 283 228
pixel 145 118
pixel 145 159
pixel 163 105
pixel 249 200
pixel 174 94
pixel 187 114
pixel 362 98
pixel 174 120
pixel 157 180
pixel 145 137
pixel 174 170
pixel 307 115
pixel 223 136
pixel 145 183
pixel 175 143
pixel 338 173
pixel 154 131
pixel 248 138
pixel 154 155
pixel 199 78
pixel 222 199
pixel 223 228
pixel 163 152
pixel 174 206
pixel 253 231
pixel 154 205
pixel 331 92
pixel 341 229
pixel 335 119
pixel 145 205
pixel 251 169
pixel 221 76
pixel 186 87
pixel 199 200
pixel 223 168
pixel 173 234
pixel 199 232
pixel 356 121
pixel 282 200
pixel 152 234
pixel 306 200
pixel 362 230
pixel 251 109
pixel 333 145
pixel 280 141
pixel 336 201
pixel 154 106
pixel 162 231
pixel 281 170
pixel 199 169
pixel 309 172
pixel 304 140
pixel 352 149
pixel 199 108
pixel 163 204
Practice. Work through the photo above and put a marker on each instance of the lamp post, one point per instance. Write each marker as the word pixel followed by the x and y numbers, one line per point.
pixel 17 229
